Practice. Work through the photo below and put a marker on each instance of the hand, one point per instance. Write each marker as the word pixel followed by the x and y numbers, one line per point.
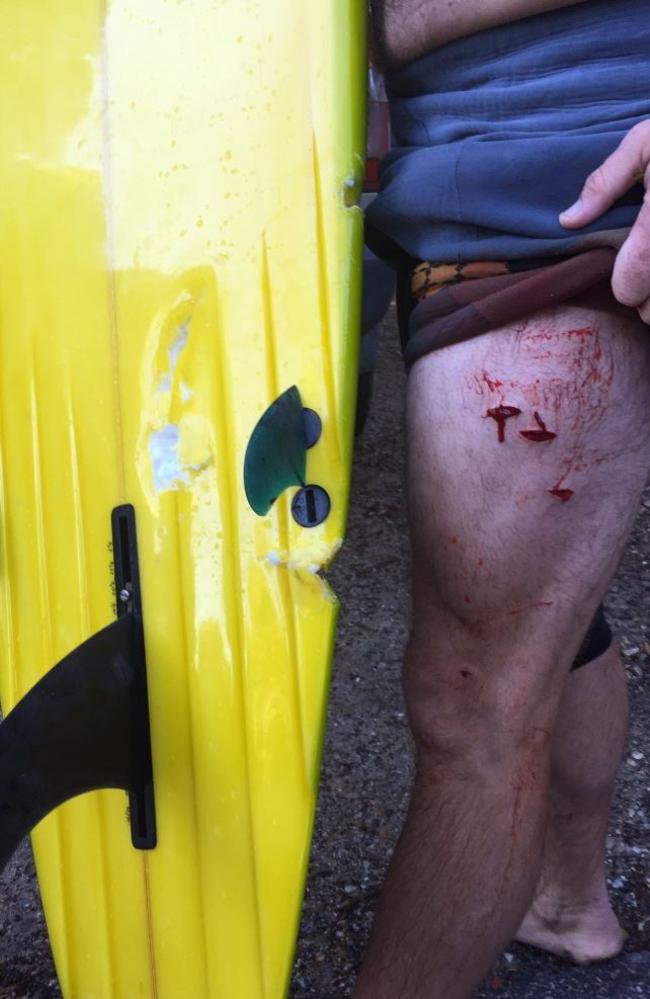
pixel 629 164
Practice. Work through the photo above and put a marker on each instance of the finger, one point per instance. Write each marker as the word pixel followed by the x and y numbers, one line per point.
pixel 611 179
pixel 631 274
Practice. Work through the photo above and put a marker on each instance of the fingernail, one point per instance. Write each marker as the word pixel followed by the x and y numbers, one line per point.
pixel 572 212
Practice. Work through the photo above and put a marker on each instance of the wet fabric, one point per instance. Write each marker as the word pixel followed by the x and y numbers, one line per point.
pixel 475 300
pixel 494 135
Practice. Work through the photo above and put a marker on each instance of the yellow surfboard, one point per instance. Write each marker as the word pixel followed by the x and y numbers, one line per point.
pixel 180 250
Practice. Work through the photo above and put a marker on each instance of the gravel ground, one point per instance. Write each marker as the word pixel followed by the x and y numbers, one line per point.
pixel 367 764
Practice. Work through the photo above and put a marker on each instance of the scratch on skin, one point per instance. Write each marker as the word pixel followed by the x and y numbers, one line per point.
pixel 480 383
pixel 587 373
pixel 494 384
pixel 581 331
pixel 525 607
pixel 524 782
pixel 520 784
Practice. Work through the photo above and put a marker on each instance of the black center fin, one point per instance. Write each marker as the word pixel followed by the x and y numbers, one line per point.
pixel 85 724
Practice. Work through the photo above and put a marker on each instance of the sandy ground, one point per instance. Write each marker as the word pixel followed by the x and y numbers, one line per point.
pixel 367 763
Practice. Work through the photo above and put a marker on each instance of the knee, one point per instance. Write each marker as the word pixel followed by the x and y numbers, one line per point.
pixel 467 704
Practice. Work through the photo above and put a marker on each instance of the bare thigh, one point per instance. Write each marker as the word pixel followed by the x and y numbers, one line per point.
pixel 528 450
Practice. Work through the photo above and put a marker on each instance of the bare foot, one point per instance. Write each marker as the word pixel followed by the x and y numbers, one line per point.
pixel 580 934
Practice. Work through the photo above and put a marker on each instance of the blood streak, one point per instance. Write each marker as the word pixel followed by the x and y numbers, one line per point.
pixel 501 414
pixel 559 491
pixel 494 384
pixel 539 435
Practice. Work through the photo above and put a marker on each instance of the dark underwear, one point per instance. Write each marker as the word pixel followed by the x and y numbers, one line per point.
pixel 597 640
pixel 443 304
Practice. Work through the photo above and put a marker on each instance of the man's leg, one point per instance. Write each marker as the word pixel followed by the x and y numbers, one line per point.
pixel 528 448
pixel 571 914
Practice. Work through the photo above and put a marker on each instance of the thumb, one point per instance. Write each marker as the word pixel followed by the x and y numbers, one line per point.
pixel 610 180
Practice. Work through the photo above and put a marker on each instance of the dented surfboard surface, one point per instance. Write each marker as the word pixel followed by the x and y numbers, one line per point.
pixel 180 244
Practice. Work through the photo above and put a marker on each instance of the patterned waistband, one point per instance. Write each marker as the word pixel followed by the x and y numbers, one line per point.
pixel 452 303
pixel 427 278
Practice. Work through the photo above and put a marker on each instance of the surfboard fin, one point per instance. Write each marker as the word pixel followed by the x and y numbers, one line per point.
pixel 276 458
pixel 85 724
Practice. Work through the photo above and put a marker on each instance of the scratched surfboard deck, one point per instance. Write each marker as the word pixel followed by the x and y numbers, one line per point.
pixel 179 245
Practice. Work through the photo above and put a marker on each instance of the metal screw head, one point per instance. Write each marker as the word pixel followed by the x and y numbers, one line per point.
pixel 125 596
pixel 310 506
